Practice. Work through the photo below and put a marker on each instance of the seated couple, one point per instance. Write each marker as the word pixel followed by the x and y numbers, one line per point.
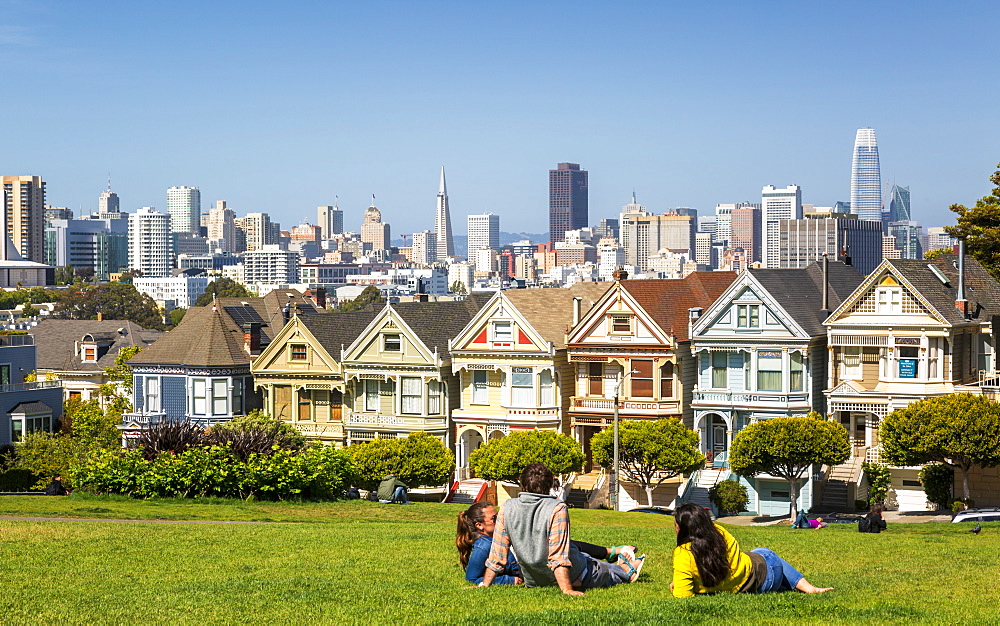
pixel 535 526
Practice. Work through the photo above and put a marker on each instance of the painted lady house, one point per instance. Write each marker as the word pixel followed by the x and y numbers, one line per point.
pixel 761 351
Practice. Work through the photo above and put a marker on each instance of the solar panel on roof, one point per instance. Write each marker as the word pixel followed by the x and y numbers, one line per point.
pixel 244 314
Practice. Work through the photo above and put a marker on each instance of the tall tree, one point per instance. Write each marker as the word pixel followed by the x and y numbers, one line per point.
pixel 370 295
pixel 222 288
pixel 960 430
pixel 115 301
pixel 787 447
pixel 649 451
pixel 979 226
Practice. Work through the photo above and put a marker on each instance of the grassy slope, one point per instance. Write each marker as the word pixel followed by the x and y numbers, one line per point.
pixel 362 562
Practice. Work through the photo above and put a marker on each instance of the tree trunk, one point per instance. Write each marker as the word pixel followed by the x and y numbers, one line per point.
pixel 965 481
pixel 793 497
pixel 649 494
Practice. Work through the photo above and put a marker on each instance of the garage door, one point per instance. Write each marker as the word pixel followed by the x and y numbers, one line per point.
pixel 774 497
pixel 908 491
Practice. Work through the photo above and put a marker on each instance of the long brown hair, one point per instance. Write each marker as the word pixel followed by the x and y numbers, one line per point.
pixel 467 531
pixel 708 546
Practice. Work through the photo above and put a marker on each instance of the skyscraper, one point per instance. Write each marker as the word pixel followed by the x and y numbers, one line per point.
pixel 149 244
pixel 568 200
pixel 25 215
pixel 899 205
pixel 804 241
pixel 331 220
pixel 442 223
pixel 222 227
pixel 374 230
pixel 776 205
pixel 866 178
pixel 257 229
pixel 484 232
pixel 184 208
pixel 746 232
pixel 107 202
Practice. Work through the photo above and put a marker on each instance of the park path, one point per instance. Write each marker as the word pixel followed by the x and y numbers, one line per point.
pixel 13 518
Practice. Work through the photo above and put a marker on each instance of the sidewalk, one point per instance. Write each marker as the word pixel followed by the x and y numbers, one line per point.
pixel 891 517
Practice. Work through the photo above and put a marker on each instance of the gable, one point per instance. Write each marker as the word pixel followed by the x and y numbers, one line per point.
pixel 285 352
pixel 750 311
pixel 389 339
pixel 500 326
pixel 887 296
pixel 618 318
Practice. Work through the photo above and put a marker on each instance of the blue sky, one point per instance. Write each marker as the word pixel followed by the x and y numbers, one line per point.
pixel 281 107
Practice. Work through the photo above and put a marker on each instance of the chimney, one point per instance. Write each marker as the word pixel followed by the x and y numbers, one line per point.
pixel 576 310
pixel 420 297
pixel 620 274
pixel 694 313
pixel 251 338
pixel 320 295
pixel 960 302
pixel 826 284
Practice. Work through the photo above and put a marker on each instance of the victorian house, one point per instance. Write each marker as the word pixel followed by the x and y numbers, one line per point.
pixel 912 330
pixel 511 365
pixel 200 371
pixel 634 345
pixel 761 351
pixel 398 371
pixel 301 376
pixel 25 406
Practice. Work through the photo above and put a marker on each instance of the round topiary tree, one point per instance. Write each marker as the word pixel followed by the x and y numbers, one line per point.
pixel 506 457
pixel 420 459
pixel 729 496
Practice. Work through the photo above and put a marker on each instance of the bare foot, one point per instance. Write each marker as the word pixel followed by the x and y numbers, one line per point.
pixel 807 587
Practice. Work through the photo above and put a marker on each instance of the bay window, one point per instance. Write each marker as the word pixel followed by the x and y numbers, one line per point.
pixel 411 393
pixel 642 378
pixel 522 386
pixel 796 374
pixel 545 387
pixel 769 370
pixel 480 387
pixel 371 394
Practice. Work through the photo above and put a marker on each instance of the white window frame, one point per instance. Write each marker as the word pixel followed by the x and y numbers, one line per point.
pixel 849 370
pixel 371 401
pixel 199 396
pixel 411 395
pixel 434 397
pixel 506 335
pixel 522 387
pixel 546 388
pixel 151 391
pixel 889 300
pixel 619 316
pixel 480 389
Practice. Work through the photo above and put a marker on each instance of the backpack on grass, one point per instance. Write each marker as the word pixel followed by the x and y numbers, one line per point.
pixel 864 525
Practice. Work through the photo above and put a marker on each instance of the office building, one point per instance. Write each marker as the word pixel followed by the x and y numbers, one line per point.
pixel 442 223
pixel 708 225
pixel 907 237
pixel 704 253
pixel 608 228
pixel 644 235
pixel 889 250
pixel 175 292
pixel 723 221
pixel 258 230
pixel 56 213
pixel 866 177
pixel 331 220
pixel 221 228
pixel 461 276
pixel 484 232
pixel 108 202
pixel 568 200
pixel 776 205
pixel 803 241
pixel 424 249
pixel 610 256
pixel 184 208
pixel 746 232
pixel 938 238
pixel 374 230
pixel 24 208
pixel 101 244
pixel 899 206
pixel 149 242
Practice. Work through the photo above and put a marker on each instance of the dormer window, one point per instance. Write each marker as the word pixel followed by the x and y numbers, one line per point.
pixel 621 323
pixel 392 343
pixel 89 354
pixel 503 331
pixel 298 352
pixel 889 300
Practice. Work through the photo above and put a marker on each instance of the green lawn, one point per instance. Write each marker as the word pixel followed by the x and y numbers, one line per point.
pixel 362 562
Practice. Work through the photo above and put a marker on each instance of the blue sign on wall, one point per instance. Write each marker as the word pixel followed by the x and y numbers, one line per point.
pixel 907 368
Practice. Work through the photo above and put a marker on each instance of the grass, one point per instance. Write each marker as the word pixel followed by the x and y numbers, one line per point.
pixel 359 562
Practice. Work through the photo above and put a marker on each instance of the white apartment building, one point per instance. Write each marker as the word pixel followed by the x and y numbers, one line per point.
pixel 181 290
pixel 704 254
pixel 777 205
pixel 463 273
pixel 486 260
pixel 270 265
pixel 610 255
pixel 149 249
pixel 330 220
pixel 222 227
pixel 433 281
pixel 184 208
pixel 484 232
pixel 258 230
pixel 425 249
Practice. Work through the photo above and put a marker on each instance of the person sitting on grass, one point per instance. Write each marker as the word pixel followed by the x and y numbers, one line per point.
pixel 475 537
pixel 56 487
pixel 536 526
pixel 804 522
pixel 392 491
pixel 874 522
pixel 708 559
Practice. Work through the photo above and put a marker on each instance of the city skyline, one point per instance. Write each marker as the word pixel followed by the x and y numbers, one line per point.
pixel 375 120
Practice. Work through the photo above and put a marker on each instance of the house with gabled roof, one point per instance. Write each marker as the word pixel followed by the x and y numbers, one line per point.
pixel 77 352
pixel 511 365
pixel 301 375
pixel 761 350
pixel 634 343
pixel 200 370
pixel 914 329
pixel 398 371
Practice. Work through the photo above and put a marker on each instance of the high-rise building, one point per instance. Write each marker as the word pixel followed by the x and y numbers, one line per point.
pixel 442 223
pixel 568 200
pixel 804 241
pixel 270 265
pixel 222 227
pixel 149 242
pixel 424 250
pixel 704 253
pixel 776 205
pixel 101 244
pixel 374 230
pixel 484 232
pixel 866 178
pixel 107 202
pixel 25 215
pixel 644 235
pixel 938 238
pixel 331 220
pixel 56 213
pixel 184 208
pixel 907 238
pixel 723 221
pixel 609 227
pixel 610 256
pixel 257 230
pixel 899 205
pixel 746 232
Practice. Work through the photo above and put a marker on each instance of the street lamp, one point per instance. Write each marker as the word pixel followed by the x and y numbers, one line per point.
pixel 614 466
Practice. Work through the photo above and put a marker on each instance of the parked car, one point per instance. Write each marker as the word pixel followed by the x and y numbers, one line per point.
pixel 659 510
pixel 977 515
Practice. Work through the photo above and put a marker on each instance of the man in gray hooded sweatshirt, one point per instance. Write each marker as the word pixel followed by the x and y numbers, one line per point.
pixel 536 526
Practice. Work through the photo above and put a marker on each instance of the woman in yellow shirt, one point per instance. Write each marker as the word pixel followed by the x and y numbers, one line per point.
pixel 708 559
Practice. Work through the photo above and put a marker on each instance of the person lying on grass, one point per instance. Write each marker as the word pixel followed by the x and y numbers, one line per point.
pixel 536 526
pixel 708 559
pixel 475 537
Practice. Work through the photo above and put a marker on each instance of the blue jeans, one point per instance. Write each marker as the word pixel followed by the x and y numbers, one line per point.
pixel 399 496
pixel 780 575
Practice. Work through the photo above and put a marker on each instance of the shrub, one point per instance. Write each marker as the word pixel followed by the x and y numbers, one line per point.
pixel 861 505
pixel 938 480
pixel 505 458
pixel 47 455
pixel 961 504
pixel 730 496
pixel 170 436
pixel 879 480
pixel 420 459
pixel 255 433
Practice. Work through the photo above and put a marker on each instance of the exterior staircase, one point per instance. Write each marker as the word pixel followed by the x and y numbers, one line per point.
pixel 579 493
pixel 836 492
pixel 467 491
pixel 707 478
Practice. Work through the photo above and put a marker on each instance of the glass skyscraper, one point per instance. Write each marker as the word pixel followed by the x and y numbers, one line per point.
pixel 899 204
pixel 866 178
